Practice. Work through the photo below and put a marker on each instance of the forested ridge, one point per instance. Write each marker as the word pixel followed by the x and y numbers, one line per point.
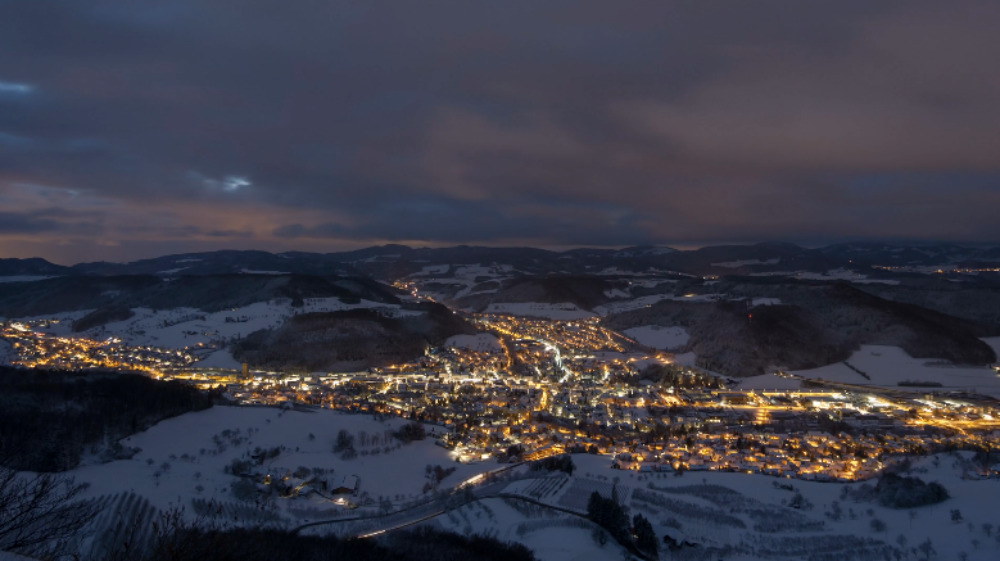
pixel 49 419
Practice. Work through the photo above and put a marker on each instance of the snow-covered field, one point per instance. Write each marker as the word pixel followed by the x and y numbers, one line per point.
pixel 647 301
pixel 659 337
pixel 832 274
pixel 466 276
pixel 480 342
pixel 561 311
pixel 769 382
pixel 184 327
pixel 888 366
pixel 633 304
pixel 745 262
pixel 23 278
pixel 744 517
pixel 686 359
pixel 219 359
pixel 729 515
pixel 552 536
pixel 184 458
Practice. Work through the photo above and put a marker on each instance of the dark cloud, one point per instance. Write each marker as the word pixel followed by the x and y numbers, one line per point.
pixel 191 124
pixel 15 223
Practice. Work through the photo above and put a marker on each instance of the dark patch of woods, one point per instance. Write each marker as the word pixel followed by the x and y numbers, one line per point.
pixel 899 491
pixel 410 432
pixel 612 517
pixel 816 324
pixel 48 419
pixel 102 316
pixel 267 545
pixel 362 337
pixel 562 463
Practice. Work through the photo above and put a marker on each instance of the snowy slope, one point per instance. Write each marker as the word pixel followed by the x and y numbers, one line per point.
pixel 659 337
pixel 185 327
pixel 745 517
pixel 730 515
pixel 561 311
pixel 180 455
pixel 888 366
pixel 480 342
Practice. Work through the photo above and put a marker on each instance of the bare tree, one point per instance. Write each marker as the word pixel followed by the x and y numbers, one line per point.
pixel 40 513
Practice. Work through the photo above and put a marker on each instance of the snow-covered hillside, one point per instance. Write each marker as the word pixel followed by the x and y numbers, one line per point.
pixel 889 366
pixel 744 517
pixel 184 458
pixel 182 463
pixel 480 342
pixel 561 311
pixel 181 327
pixel 659 337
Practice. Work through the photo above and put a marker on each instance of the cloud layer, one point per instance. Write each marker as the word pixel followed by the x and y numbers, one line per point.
pixel 129 129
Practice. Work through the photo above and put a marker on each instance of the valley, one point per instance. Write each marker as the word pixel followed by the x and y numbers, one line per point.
pixel 356 408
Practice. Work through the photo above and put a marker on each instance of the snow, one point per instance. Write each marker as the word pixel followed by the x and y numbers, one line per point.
pixel 832 274
pixel 652 283
pixel 64 321
pixel 467 276
pixel 186 327
pixel 648 301
pixel 561 311
pixel 172 271
pixel 616 293
pixel 481 342
pixel 876 281
pixel 888 366
pixel 563 544
pixel 994 343
pixel 432 270
pixel 552 535
pixel 24 278
pixel 219 359
pixel 256 272
pixel 975 499
pixel 184 451
pixel 685 359
pixel 628 305
pixel 769 382
pixel 745 262
pixel 659 337
pixel 472 271
pixel 691 504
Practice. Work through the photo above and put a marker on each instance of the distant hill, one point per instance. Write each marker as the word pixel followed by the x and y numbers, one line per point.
pixel 397 261
pixel 815 324
pixel 206 292
pixel 587 292
pixel 30 267
pixel 353 339
pixel 893 295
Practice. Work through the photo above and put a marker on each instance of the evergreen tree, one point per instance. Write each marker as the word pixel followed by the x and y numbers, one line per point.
pixel 645 537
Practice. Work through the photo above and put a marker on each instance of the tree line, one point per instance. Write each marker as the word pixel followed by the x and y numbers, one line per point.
pixel 48 419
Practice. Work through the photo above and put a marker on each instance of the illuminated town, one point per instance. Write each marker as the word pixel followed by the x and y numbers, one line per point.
pixel 535 388
pixel 37 349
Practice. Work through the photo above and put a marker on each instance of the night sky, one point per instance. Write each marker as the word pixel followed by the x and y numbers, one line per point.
pixel 134 128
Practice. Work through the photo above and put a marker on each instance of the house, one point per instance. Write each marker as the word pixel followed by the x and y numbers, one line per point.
pixel 348 486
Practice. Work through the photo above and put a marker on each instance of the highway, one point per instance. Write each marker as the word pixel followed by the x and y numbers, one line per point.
pixel 477 487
